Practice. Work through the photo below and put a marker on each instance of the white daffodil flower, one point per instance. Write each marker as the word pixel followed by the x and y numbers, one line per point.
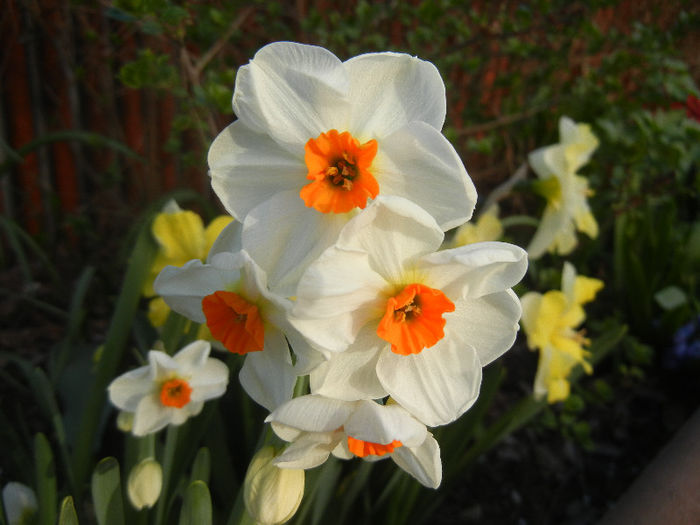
pixel 316 139
pixel 229 293
pixel 170 389
pixel 318 426
pixel 404 320
pixel 566 192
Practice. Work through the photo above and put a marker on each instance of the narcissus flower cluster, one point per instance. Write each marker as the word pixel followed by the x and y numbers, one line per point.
pixel 342 186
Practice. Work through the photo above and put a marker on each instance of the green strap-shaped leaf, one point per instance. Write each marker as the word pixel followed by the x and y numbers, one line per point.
pixel 45 480
pixel 201 466
pixel 68 515
pixel 107 493
pixel 196 509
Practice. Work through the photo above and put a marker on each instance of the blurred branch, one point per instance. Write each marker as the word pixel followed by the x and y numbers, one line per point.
pixel 199 66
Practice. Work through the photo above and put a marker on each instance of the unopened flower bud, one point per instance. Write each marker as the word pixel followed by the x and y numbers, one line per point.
pixel 20 504
pixel 145 483
pixel 125 421
pixel 272 495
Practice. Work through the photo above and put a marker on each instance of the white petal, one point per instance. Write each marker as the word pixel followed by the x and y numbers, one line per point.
pixel 336 296
pixel 351 374
pixel 126 391
pixel 229 240
pixel 383 424
pixel 293 92
pixel 394 232
pixel 437 385
pixel 313 413
pixel 548 161
pixel 475 269
pixel 422 462
pixel 418 163
pixel 308 451
pixel 550 225
pixel 184 288
pixel 283 236
pixel 268 376
pixel 150 415
pixel 489 324
pixel 388 90
pixel 308 357
pixel 161 365
pixel 247 168
pixel 209 381
pixel 192 356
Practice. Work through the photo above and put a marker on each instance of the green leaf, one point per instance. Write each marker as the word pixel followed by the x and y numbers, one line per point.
pixel 201 466
pixel 107 493
pixel 68 515
pixel 45 480
pixel 196 509
pixel 119 330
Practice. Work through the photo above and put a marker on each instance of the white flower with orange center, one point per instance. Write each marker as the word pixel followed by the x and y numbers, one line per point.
pixel 230 295
pixel 317 139
pixel 317 426
pixel 399 318
pixel 170 389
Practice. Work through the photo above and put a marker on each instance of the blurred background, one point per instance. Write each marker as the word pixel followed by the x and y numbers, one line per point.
pixel 107 109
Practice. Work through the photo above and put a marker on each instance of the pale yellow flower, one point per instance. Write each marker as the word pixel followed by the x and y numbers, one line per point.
pixel 488 227
pixel 566 192
pixel 551 324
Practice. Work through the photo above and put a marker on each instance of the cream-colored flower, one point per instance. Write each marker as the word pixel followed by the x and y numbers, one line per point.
pixel 271 494
pixel 566 192
pixel 550 322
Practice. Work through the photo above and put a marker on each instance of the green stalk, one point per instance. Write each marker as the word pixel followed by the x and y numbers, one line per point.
pixel 167 463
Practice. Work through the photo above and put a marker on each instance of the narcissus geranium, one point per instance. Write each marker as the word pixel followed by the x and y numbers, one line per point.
pixel 170 389
pixel 399 318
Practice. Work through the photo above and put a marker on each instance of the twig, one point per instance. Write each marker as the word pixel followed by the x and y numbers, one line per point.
pixel 502 190
pixel 502 121
pixel 221 42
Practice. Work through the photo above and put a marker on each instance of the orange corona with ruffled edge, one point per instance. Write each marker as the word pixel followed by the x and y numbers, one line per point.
pixel 175 393
pixel 365 448
pixel 234 322
pixel 413 319
pixel 339 167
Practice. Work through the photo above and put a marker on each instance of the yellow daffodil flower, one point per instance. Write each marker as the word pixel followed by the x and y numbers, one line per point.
pixel 488 227
pixel 550 322
pixel 566 192
pixel 181 237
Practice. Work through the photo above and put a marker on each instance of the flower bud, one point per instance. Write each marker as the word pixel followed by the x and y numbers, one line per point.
pixel 145 483
pixel 125 421
pixel 20 504
pixel 272 495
